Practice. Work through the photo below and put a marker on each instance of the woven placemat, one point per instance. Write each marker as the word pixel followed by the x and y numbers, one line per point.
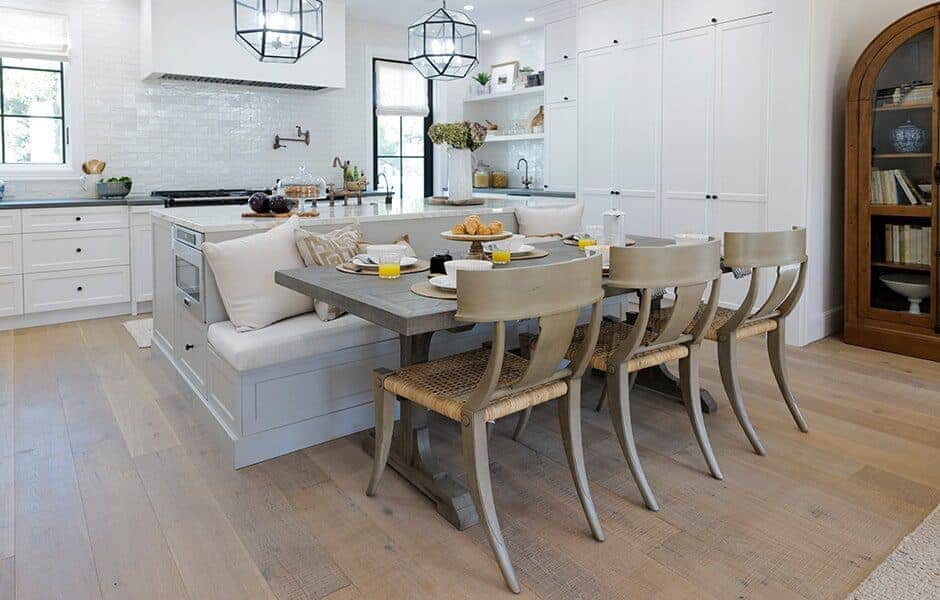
pixel 571 242
pixel 418 267
pixel 537 253
pixel 424 288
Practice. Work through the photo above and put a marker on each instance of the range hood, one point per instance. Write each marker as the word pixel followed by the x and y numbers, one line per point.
pixel 195 41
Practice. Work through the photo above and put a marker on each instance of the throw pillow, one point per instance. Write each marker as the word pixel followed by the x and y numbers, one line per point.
pixel 404 241
pixel 543 220
pixel 328 250
pixel 244 272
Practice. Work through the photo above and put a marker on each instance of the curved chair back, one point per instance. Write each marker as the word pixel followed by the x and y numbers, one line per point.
pixel 555 295
pixel 548 221
pixel 691 270
pixel 783 250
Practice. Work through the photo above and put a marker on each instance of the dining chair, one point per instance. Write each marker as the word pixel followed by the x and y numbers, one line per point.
pixel 785 252
pixel 490 383
pixel 624 349
pixel 550 221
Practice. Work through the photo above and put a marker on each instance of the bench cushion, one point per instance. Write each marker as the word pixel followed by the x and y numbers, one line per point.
pixel 292 339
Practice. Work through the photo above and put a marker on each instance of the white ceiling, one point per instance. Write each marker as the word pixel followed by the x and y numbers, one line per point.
pixel 499 16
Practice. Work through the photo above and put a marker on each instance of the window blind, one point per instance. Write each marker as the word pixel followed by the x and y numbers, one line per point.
pixel 32 34
pixel 400 90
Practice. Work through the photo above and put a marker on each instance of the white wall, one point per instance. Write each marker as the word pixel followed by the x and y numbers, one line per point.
pixel 841 31
pixel 169 135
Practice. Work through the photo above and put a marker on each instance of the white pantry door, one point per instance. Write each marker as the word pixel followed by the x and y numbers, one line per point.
pixel 597 102
pixel 637 134
pixel 688 126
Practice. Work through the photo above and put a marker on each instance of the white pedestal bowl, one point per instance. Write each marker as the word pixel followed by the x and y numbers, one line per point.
pixel 913 286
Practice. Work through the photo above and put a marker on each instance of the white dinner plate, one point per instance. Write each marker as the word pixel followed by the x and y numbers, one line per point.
pixel 444 282
pixel 364 262
pixel 523 249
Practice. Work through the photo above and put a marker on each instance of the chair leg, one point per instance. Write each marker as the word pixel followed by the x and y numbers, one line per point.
pixel 521 423
pixel 569 416
pixel 384 427
pixel 618 387
pixel 602 400
pixel 727 364
pixel 776 348
pixel 689 382
pixel 476 460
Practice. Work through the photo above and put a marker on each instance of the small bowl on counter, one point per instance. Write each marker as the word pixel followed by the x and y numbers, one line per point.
pixel 113 189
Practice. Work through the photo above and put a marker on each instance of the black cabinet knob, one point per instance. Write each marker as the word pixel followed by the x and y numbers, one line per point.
pixel 78 218
pixel 565 57
pixel 80 288
pixel 189 347
pixel 78 250
pixel 616 41
pixel 545 186
pixel 566 97
pixel 714 20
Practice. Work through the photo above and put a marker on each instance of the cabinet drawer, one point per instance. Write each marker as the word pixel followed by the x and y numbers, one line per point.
pixel 10 221
pixel 11 254
pixel 191 345
pixel 11 295
pixel 561 81
pixel 41 220
pixel 46 252
pixel 76 289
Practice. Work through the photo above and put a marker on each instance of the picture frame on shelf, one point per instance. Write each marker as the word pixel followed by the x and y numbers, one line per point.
pixel 504 76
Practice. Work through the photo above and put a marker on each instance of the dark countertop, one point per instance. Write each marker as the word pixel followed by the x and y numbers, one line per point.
pixel 132 200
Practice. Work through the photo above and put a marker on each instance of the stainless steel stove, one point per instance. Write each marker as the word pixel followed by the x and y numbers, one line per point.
pixel 205 197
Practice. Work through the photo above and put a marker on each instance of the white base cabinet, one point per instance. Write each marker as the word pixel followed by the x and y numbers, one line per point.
pixel 76 289
pixel 11 295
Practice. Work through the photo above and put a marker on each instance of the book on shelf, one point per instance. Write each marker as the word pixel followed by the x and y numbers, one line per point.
pixel 905 95
pixel 908 244
pixel 893 187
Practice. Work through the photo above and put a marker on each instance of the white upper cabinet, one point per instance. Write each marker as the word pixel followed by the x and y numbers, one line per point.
pixel 561 40
pixel 598 95
pixel 561 82
pixel 682 15
pixel 561 147
pixel 615 22
pixel 688 114
pixel 742 104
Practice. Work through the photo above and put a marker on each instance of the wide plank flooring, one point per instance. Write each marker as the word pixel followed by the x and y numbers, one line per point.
pixel 114 485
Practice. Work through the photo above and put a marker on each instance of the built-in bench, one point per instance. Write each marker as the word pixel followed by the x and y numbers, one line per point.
pixel 302 381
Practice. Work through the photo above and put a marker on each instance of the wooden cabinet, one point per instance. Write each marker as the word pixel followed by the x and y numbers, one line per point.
pixel 561 82
pixel 891 218
pixel 561 147
pixel 683 15
pixel 561 40
pixel 615 22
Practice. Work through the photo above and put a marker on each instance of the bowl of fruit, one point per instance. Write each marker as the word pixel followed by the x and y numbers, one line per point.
pixel 115 187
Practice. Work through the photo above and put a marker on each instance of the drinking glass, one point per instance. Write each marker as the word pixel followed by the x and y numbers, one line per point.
pixel 595 233
pixel 501 252
pixel 390 263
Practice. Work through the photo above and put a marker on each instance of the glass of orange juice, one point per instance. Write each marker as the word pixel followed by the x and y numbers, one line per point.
pixel 595 234
pixel 500 252
pixel 390 263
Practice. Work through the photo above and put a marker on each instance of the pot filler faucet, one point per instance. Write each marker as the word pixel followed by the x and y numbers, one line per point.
pixel 525 180
pixel 388 190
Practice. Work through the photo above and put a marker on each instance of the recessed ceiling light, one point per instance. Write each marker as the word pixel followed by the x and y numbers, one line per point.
pixel 468 7
pixel 530 19
pixel 486 32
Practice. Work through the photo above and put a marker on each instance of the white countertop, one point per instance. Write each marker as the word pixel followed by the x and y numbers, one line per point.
pixel 220 219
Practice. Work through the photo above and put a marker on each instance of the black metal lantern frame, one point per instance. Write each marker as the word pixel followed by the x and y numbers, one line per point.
pixel 281 31
pixel 443 44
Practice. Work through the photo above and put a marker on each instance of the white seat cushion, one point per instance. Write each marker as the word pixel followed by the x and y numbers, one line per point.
pixel 292 339
pixel 535 220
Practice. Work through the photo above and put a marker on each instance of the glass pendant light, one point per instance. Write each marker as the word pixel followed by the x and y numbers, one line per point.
pixel 443 44
pixel 279 30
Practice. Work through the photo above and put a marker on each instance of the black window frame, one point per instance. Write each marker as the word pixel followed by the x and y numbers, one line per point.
pixel 428 146
pixel 4 115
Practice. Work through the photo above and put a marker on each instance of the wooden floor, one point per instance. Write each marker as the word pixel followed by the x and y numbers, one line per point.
pixel 112 486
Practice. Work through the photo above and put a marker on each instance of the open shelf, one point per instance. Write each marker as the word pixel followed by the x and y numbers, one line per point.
pixel 518 137
pixel 902 210
pixel 908 155
pixel 513 94
pixel 903 107
pixel 902 266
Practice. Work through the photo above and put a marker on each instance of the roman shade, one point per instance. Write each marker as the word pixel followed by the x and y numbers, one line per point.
pixel 33 34
pixel 400 90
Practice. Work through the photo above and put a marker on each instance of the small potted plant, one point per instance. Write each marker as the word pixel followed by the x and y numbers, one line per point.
pixel 483 79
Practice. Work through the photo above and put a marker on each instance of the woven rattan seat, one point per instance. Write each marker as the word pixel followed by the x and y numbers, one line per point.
pixel 612 335
pixel 660 317
pixel 444 385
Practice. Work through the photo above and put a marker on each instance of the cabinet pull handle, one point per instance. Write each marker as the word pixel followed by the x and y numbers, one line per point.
pixel 80 288
pixel 189 347
pixel 186 302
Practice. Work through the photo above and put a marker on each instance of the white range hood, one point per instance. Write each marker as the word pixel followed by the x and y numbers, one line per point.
pixel 195 40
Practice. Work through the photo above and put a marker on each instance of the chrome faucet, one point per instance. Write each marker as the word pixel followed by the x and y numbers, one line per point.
pixel 525 180
pixel 388 191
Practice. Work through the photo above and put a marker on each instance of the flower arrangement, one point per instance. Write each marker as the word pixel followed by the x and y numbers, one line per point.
pixel 460 136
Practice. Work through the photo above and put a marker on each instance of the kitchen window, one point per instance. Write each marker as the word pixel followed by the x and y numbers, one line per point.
pixel 32 114
pixel 401 117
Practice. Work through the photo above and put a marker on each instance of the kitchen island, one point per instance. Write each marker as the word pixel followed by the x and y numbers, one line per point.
pixel 302 381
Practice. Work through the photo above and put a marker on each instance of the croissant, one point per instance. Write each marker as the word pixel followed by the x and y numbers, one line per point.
pixel 496 227
pixel 484 230
pixel 459 229
pixel 472 227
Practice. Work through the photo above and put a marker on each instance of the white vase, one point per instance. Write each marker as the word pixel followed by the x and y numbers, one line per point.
pixel 459 174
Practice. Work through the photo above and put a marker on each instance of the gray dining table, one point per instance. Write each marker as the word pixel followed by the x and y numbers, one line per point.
pixel 391 304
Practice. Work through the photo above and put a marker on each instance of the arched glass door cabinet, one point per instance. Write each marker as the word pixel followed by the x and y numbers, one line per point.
pixel 892 171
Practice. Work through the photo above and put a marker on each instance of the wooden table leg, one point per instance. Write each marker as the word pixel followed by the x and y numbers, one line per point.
pixel 660 379
pixel 411 455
